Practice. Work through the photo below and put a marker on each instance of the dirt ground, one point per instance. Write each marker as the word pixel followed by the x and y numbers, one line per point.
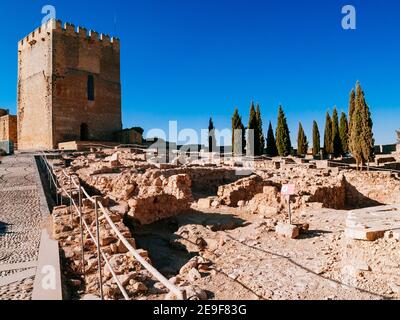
pixel 253 263
pixel 216 235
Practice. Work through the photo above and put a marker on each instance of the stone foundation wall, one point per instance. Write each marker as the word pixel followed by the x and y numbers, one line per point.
pixel 372 188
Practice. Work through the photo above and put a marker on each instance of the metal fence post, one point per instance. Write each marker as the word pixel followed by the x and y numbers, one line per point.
pixel 58 202
pixel 96 209
pixel 81 230
pixel 70 201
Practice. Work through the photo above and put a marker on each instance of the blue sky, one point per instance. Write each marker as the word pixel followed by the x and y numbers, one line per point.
pixel 187 60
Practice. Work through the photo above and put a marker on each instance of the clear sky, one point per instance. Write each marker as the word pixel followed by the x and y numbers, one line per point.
pixel 187 60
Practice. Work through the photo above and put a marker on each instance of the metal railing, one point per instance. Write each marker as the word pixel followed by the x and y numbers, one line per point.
pixel 75 186
pixel 369 168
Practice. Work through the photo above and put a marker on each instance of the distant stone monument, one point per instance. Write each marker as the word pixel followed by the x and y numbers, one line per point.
pixel 69 86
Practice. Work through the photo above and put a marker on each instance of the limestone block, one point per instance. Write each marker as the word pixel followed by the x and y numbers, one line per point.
pixel 364 234
pixel 204 203
pixel 287 230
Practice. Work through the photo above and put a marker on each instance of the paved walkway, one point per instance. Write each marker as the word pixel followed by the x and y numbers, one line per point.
pixel 20 226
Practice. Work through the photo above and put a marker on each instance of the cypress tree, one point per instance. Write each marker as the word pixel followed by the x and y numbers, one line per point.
pixel 253 146
pixel 367 137
pixel 260 132
pixel 211 136
pixel 237 138
pixel 336 143
pixel 352 108
pixel 302 143
pixel 316 140
pixel 283 142
pixel 344 133
pixel 355 144
pixel 361 142
pixel 328 143
pixel 272 150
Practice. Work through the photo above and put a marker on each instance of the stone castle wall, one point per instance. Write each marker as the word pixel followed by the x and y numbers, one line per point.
pixel 8 128
pixel 34 90
pixel 55 63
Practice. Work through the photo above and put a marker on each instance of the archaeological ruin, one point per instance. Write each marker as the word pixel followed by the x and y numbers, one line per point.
pixel 201 222
pixel 119 218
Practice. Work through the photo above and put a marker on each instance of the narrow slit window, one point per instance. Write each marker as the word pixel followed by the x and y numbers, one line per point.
pixel 90 88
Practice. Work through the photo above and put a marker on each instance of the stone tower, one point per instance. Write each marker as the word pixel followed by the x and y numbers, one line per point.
pixel 69 87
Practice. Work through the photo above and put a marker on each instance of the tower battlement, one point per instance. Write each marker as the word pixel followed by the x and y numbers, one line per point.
pixel 69 29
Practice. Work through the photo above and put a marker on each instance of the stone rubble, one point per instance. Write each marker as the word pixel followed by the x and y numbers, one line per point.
pixel 141 193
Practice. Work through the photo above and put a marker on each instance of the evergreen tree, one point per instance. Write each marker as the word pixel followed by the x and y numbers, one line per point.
pixel 316 140
pixel 283 142
pixel 211 137
pixel 344 133
pixel 398 135
pixel 253 146
pixel 336 143
pixel 367 138
pixel 352 108
pixel 238 137
pixel 272 150
pixel 328 143
pixel 260 132
pixel 361 142
pixel 302 143
pixel 355 136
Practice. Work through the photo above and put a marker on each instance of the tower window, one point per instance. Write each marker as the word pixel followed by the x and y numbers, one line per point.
pixel 90 88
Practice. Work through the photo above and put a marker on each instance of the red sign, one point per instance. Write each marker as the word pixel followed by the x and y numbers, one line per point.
pixel 288 189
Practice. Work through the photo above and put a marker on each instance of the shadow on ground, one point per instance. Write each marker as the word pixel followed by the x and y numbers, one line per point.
pixel 3 228
pixel 313 234
pixel 356 200
pixel 160 240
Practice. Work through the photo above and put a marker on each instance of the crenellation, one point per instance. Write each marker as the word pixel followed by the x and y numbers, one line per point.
pixel 105 38
pixel 115 42
pixel 82 32
pixel 58 25
pixel 69 28
pixel 35 35
pixel 93 35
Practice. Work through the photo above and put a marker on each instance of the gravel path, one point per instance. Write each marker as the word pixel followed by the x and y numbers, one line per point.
pixel 20 221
